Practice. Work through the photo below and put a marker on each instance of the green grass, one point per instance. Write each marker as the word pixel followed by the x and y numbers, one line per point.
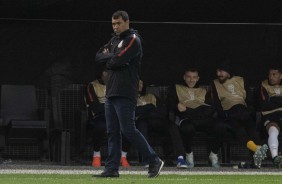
pixel 138 179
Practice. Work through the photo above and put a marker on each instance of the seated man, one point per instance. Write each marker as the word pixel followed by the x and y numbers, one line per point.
pixel 193 113
pixel 233 105
pixel 95 99
pixel 151 116
pixel 271 107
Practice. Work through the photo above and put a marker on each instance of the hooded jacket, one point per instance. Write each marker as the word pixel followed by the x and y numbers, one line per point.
pixel 123 64
pixel 238 110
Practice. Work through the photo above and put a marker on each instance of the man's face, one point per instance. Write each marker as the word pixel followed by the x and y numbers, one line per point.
pixel 191 78
pixel 104 76
pixel 274 77
pixel 222 75
pixel 119 25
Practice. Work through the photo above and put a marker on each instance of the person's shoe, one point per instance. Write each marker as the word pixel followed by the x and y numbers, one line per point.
pixel 5 162
pixel 214 160
pixel 155 169
pixel 190 160
pixel 124 162
pixel 277 161
pixel 107 174
pixel 259 155
pixel 181 163
pixel 96 162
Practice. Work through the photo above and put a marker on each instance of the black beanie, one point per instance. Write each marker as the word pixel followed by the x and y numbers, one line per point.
pixel 226 66
pixel 275 66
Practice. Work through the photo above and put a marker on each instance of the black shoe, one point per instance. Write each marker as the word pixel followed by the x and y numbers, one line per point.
pixel 155 169
pixel 247 165
pixel 107 174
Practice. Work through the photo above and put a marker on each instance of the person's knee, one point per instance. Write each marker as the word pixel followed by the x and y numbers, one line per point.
pixel 187 128
pixel 219 128
pixel 129 131
pixel 272 126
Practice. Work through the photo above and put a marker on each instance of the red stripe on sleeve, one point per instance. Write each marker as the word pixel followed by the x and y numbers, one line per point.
pixel 129 45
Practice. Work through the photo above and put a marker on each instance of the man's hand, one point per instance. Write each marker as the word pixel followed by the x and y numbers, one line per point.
pixel 106 51
pixel 181 107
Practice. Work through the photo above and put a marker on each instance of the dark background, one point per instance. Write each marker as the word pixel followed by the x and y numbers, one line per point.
pixel 41 38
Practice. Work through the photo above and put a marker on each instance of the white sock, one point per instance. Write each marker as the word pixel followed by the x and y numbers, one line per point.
pixel 123 154
pixel 96 154
pixel 273 141
pixel 213 154
pixel 180 157
pixel 189 154
pixel 190 158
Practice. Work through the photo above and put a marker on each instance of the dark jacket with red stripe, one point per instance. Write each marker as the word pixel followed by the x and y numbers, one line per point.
pixel 123 64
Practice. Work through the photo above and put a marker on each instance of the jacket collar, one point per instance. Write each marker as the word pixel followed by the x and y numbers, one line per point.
pixel 125 33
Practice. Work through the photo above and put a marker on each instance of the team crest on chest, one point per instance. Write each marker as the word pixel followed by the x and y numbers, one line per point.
pixel 277 91
pixel 120 44
pixel 231 89
pixel 192 95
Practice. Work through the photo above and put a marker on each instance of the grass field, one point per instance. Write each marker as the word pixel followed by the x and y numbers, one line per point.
pixel 138 179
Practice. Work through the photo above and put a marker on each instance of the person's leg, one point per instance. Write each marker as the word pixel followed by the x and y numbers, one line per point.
pixel 125 150
pixel 241 134
pixel 251 128
pixel 273 130
pixel 208 125
pixel 171 139
pixel 175 137
pixel 188 131
pixel 97 128
pixel 177 143
pixel 142 126
pixel 219 132
pixel 245 132
pixel 158 126
pixel 244 126
pixel 125 109
pixel 114 136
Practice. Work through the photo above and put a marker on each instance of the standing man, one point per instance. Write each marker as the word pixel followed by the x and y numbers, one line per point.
pixel 271 107
pixel 122 56
pixel 95 100
pixel 233 105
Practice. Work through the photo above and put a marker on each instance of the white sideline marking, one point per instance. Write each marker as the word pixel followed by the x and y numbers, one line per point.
pixel 91 172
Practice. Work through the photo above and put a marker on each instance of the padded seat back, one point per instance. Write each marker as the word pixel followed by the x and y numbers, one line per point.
pixel 19 102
